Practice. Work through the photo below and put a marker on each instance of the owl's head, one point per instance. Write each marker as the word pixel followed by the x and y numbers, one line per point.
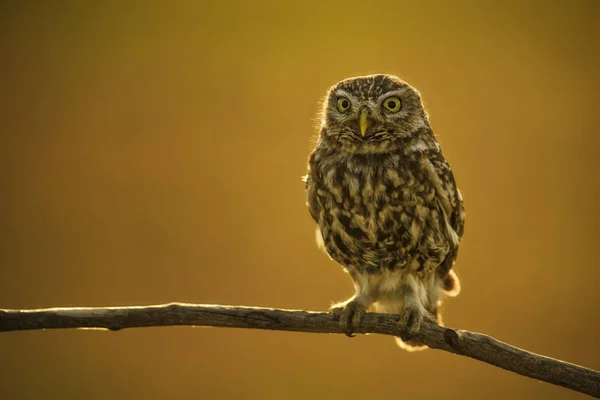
pixel 372 111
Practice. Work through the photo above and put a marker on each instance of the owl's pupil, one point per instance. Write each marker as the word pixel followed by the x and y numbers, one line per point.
pixel 392 104
pixel 345 104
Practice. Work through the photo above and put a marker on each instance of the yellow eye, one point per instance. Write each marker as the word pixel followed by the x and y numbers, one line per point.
pixel 393 104
pixel 343 104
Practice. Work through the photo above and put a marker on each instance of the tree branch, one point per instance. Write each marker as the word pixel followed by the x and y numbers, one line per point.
pixel 465 343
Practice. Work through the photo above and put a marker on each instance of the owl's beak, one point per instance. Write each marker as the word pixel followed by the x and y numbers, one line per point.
pixel 363 122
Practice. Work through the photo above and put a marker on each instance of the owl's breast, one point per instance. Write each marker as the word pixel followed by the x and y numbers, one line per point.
pixel 379 212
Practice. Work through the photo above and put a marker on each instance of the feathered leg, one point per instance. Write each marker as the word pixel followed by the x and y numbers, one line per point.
pixel 351 311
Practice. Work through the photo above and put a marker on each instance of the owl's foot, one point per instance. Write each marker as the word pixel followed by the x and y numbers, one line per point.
pixel 410 322
pixel 350 314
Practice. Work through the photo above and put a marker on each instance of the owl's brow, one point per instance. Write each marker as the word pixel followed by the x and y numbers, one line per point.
pixel 397 92
pixel 343 93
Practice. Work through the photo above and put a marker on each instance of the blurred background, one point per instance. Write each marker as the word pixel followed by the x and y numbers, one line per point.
pixel 151 151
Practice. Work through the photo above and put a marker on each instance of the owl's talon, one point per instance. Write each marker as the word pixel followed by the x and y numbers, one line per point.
pixel 410 322
pixel 350 315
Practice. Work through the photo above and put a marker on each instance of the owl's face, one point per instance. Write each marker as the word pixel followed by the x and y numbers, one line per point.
pixel 372 111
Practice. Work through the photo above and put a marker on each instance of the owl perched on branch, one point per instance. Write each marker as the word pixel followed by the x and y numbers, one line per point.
pixel 386 203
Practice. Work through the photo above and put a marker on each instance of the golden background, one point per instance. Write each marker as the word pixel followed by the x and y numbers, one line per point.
pixel 152 152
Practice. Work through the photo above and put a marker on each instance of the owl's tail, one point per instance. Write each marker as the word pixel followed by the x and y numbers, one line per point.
pixel 410 345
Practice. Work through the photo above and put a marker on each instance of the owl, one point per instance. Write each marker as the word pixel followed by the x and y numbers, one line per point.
pixel 385 202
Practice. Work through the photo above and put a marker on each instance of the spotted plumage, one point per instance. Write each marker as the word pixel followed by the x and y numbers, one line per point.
pixel 385 201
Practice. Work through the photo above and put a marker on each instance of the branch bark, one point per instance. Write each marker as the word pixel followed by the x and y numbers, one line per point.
pixel 474 345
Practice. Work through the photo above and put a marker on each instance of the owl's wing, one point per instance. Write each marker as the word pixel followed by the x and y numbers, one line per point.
pixel 311 196
pixel 454 210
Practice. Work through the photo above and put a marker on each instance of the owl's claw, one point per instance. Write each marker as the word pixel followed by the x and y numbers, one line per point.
pixel 349 314
pixel 410 322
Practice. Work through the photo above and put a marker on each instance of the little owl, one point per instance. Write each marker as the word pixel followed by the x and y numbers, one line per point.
pixel 386 203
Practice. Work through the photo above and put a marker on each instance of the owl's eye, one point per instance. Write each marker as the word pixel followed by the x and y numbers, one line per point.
pixel 343 104
pixel 393 104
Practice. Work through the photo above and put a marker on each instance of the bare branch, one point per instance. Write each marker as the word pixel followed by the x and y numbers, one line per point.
pixel 469 344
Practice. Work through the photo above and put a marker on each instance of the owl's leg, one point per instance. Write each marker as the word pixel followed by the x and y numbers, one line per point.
pixel 418 305
pixel 410 322
pixel 351 311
